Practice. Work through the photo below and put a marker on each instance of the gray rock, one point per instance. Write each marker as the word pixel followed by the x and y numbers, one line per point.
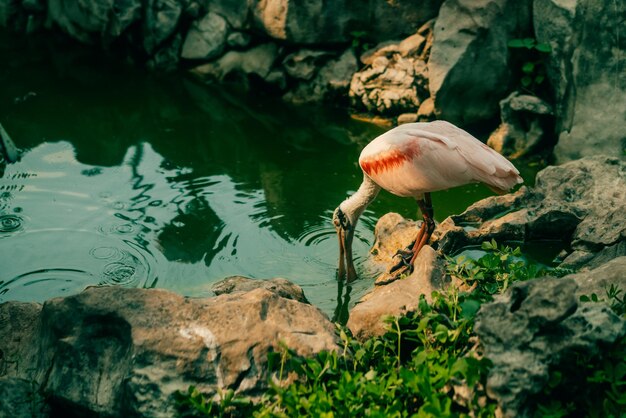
pixel 331 81
pixel 18 324
pixel 282 287
pixel 304 63
pixel 258 60
pixel 468 66
pixel 20 399
pixel 399 18
pixel 238 39
pixel 115 351
pixel 527 124
pixel 277 78
pixel 166 58
pixel 160 20
pixel 236 12
pixel 580 203
pixel 536 326
pixel 206 38
pixel 399 297
pixel 585 70
pixel 600 279
pixel 92 21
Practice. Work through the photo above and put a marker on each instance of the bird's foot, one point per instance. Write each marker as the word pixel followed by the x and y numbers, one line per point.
pixel 402 268
pixel 404 265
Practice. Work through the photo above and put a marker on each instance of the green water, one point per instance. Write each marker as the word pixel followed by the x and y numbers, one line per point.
pixel 147 180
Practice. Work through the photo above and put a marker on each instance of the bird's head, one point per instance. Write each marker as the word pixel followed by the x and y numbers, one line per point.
pixel 344 222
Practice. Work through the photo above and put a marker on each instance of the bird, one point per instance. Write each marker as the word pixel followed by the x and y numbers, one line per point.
pixel 413 160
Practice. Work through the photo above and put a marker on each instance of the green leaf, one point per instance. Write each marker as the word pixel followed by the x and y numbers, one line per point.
pixel 515 43
pixel 543 47
pixel 469 308
pixel 528 68
pixel 526 81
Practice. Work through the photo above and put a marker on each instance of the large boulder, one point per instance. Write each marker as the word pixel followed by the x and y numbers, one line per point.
pixel 580 203
pixel 115 351
pixel 586 72
pixel 469 63
pixel 534 327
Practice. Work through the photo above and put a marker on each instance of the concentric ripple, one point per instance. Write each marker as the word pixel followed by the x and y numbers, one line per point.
pixel 66 262
pixel 10 223
pixel 313 235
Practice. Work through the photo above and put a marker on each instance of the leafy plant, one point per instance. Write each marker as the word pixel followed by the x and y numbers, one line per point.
pixel 494 272
pixel 194 403
pixel 616 303
pixel 360 42
pixel 532 55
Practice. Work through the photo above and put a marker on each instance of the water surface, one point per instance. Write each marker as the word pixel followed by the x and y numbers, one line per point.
pixel 148 180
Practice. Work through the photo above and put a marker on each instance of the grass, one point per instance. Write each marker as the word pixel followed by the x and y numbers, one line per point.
pixel 426 365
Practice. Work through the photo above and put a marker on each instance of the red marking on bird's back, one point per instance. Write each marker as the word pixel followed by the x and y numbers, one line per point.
pixel 388 160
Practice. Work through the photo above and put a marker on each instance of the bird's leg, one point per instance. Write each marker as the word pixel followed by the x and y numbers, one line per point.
pixel 423 235
pixel 407 254
pixel 426 206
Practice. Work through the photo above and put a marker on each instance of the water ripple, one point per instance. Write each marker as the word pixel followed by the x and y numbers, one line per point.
pixel 86 258
pixel 10 223
pixel 316 234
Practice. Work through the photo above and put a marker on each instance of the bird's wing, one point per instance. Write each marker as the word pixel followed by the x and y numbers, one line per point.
pixel 487 165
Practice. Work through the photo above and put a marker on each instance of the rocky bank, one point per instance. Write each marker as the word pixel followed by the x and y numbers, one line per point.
pixel 113 351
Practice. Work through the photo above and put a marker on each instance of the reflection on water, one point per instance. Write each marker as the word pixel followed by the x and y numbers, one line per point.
pixel 143 180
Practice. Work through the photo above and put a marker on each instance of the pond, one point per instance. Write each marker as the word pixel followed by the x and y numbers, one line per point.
pixel 138 179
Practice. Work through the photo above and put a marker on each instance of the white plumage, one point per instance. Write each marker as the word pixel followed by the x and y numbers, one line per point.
pixel 413 160
pixel 434 156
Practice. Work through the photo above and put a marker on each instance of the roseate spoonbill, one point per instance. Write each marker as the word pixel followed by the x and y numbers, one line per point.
pixel 413 160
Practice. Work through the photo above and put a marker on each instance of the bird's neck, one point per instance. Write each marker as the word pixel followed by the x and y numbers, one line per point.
pixel 356 204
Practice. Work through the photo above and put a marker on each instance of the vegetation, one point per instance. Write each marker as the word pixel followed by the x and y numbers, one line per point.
pixel 531 56
pixel 426 365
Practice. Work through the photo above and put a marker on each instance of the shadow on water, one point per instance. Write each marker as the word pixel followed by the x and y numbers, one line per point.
pixel 160 181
